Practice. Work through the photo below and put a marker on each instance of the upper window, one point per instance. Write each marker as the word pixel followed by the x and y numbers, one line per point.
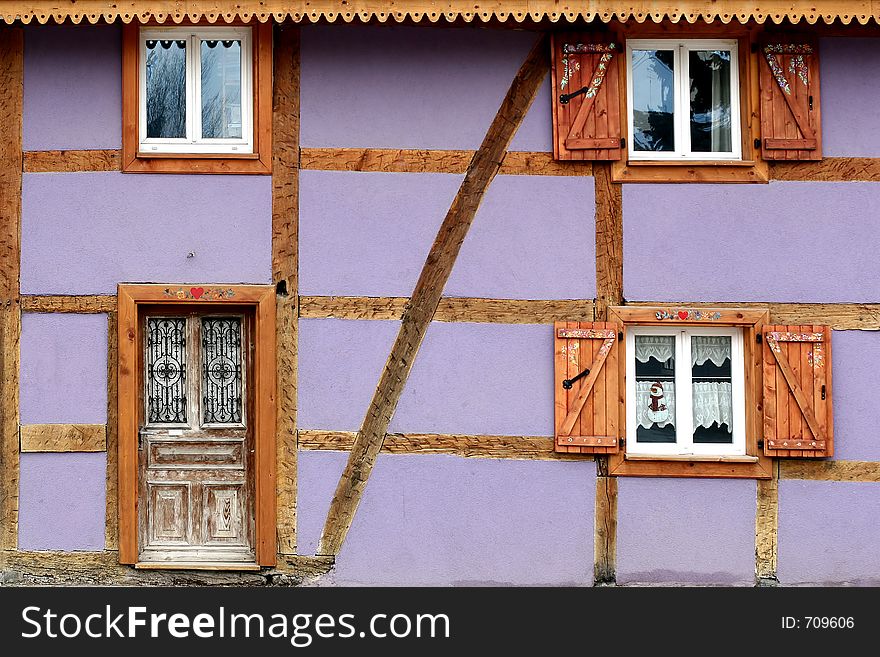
pixel 685 391
pixel 683 99
pixel 196 91
pixel 197 99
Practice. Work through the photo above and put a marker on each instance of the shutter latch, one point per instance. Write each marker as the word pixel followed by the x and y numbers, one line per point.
pixel 570 382
pixel 564 98
pixel 823 393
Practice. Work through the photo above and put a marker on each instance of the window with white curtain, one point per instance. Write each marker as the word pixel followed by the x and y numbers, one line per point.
pixel 685 391
pixel 683 99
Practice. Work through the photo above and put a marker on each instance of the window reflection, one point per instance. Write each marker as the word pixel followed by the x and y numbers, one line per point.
pixel 221 89
pixel 653 79
pixel 166 89
pixel 710 101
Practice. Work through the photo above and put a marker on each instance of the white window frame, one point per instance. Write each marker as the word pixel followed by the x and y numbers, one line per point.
pixel 684 417
pixel 193 143
pixel 681 104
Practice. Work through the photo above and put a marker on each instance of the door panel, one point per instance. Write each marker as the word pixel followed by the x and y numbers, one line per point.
pixel 195 453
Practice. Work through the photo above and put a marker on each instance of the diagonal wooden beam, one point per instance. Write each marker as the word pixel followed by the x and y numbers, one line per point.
pixel 426 295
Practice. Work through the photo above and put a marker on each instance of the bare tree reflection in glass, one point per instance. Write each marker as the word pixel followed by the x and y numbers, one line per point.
pixel 221 89
pixel 653 76
pixel 166 89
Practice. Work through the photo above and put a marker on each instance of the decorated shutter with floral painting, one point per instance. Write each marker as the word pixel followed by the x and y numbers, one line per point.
pixel 587 387
pixel 586 97
pixel 797 391
pixel 790 109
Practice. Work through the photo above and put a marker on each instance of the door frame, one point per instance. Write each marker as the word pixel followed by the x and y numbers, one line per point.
pixel 131 299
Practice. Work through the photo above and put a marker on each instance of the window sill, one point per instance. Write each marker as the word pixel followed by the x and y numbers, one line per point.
pixel 690 171
pixel 195 565
pixel 197 156
pixel 700 458
pixel 248 163
pixel 692 163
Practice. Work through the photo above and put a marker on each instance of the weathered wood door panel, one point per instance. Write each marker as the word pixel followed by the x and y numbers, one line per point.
pixel 195 444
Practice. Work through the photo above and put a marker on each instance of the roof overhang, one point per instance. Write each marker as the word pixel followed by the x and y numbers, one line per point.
pixel 530 11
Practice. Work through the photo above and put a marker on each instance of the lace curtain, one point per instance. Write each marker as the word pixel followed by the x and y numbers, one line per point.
pixel 703 348
pixel 713 402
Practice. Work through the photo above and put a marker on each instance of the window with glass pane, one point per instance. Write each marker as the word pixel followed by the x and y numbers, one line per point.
pixel 683 99
pixel 196 90
pixel 685 391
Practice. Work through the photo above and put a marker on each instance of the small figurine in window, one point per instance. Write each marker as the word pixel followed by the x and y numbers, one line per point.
pixel 658 413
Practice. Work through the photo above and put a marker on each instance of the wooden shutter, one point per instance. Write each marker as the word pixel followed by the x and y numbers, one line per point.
pixel 790 109
pixel 797 391
pixel 586 97
pixel 587 412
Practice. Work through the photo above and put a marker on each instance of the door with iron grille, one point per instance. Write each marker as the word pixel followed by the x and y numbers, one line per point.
pixel 195 444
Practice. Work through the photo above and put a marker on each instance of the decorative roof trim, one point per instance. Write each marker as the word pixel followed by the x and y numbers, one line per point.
pixel 691 11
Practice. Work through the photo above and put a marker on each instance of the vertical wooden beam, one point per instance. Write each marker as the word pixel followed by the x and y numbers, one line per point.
pixel 11 90
pixel 111 526
pixel 605 544
pixel 426 295
pixel 766 529
pixel 609 292
pixel 609 240
pixel 285 228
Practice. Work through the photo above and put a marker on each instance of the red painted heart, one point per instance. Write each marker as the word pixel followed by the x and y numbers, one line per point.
pixel 682 314
pixel 197 292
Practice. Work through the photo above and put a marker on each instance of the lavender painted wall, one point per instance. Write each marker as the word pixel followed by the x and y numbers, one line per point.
pixel 63 369
pixel 62 501
pixel 372 238
pixel 688 531
pixel 856 357
pixel 82 233
pixel 445 520
pixel 468 378
pixel 412 87
pixel 850 96
pixel 72 87
pixel 829 533
pixel 786 241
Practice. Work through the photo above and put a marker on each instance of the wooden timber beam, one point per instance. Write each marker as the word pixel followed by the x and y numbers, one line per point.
pixel 285 229
pixel 539 448
pixel 84 303
pixel 70 161
pixel 63 437
pixel 451 309
pixel 426 295
pixel 609 292
pixel 11 95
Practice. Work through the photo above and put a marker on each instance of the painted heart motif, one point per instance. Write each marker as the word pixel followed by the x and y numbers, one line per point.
pixel 197 292
pixel 682 314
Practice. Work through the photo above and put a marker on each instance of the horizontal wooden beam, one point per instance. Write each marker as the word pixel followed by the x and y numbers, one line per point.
pixel 103 568
pixel 89 303
pixel 397 160
pixel 71 161
pixel 501 311
pixel 400 160
pixel 839 316
pixel 829 169
pixel 63 437
pixel 830 470
pixel 538 448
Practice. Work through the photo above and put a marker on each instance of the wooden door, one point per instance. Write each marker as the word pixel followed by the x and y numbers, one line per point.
pixel 195 440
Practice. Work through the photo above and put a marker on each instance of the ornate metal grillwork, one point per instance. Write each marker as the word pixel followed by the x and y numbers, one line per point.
pixel 222 370
pixel 166 370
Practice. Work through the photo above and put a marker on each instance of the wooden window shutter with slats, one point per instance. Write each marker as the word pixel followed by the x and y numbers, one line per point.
pixel 586 97
pixel 797 391
pixel 790 108
pixel 587 387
